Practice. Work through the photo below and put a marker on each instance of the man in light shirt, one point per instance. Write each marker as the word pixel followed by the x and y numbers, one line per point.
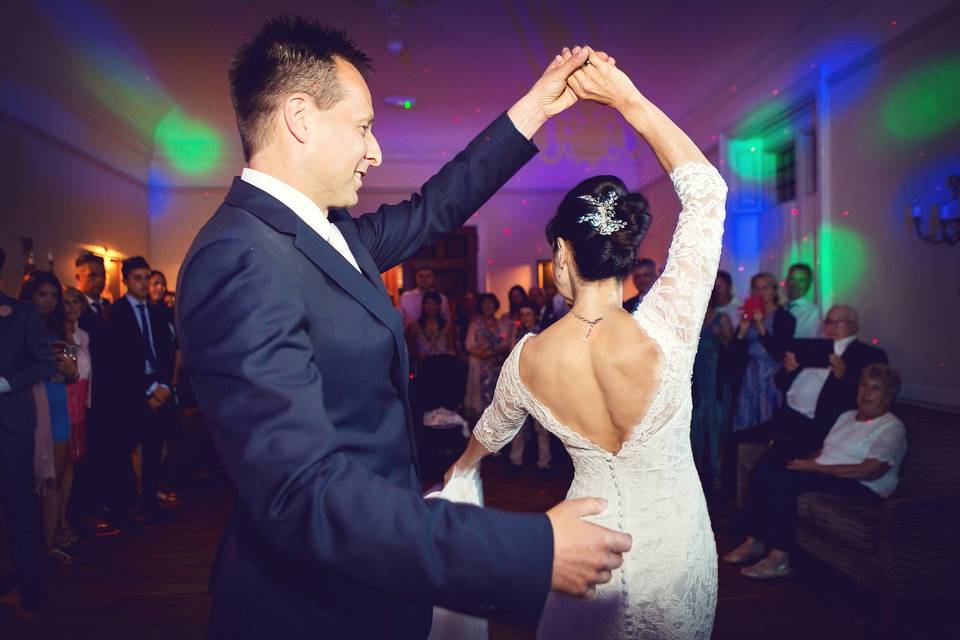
pixel 805 310
pixel 410 301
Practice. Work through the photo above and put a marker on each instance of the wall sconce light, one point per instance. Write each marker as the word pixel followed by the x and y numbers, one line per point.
pixel 943 226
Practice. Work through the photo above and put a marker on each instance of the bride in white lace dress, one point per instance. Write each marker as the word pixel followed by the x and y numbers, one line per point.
pixel 615 387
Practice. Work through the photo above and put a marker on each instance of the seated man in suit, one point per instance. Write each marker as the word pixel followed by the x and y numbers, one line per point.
pixel 138 352
pixel 25 359
pixel 815 396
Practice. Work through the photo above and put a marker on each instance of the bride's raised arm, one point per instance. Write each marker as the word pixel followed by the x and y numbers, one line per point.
pixel 679 298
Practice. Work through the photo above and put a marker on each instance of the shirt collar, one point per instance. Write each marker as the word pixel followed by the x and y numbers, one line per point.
pixel 305 208
pixel 134 302
pixel 840 346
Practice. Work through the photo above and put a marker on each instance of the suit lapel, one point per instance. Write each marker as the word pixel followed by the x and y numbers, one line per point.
pixel 368 291
pixel 329 260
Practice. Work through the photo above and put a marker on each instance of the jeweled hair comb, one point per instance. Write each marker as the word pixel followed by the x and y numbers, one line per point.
pixel 603 219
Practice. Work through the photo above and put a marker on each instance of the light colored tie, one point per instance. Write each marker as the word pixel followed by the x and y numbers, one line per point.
pixel 338 242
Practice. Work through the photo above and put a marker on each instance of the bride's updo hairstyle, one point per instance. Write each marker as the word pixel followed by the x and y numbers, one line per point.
pixel 583 217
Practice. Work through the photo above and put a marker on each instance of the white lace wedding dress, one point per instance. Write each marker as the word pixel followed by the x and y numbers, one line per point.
pixel 667 586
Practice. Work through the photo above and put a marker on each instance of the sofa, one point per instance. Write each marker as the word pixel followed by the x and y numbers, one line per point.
pixel 905 547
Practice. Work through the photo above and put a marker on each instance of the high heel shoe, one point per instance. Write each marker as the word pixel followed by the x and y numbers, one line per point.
pixel 746 552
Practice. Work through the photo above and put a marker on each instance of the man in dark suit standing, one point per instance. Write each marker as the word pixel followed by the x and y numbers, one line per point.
pixel 304 382
pixel 138 357
pixel 25 359
pixel 90 483
pixel 816 396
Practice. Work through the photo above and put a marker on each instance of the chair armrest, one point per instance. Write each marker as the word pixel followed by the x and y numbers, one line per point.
pixel 918 547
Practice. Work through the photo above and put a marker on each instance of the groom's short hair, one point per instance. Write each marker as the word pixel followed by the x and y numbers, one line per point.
pixel 287 54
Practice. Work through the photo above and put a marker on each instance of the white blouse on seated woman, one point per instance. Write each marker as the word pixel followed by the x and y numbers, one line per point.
pixel 852 441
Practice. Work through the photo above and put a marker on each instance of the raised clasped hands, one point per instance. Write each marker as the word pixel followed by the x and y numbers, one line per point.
pixel 598 79
pixel 552 93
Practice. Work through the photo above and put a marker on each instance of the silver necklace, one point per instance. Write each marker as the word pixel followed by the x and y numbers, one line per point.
pixel 590 323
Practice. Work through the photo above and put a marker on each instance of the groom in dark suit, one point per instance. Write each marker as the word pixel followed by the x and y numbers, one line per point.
pixel 298 362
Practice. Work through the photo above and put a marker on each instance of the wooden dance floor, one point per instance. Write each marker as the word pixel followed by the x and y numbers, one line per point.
pixel 152 585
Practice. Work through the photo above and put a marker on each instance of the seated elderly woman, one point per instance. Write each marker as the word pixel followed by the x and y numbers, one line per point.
pixel 860 458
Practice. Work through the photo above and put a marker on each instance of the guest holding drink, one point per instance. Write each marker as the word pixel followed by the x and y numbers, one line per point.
pixel 43 289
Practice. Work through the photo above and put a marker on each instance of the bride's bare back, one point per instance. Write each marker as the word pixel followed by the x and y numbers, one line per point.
pixel 600 388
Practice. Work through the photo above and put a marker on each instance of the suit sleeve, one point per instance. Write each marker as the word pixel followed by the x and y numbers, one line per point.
pixel 784 326
pixel 40 363
pixel 395 232
pixel 251 361
pixel 860 359
pixel 784 379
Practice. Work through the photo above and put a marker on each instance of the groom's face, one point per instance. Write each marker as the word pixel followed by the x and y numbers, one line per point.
pixel 344 146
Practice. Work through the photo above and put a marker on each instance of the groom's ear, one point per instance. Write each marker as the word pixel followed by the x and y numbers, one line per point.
pixel 295 109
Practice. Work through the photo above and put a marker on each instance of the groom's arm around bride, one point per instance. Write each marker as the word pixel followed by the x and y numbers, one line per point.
pixel 299 365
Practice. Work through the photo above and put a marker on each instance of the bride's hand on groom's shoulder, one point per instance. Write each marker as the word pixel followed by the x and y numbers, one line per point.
pixel 584 554
pixel 602 81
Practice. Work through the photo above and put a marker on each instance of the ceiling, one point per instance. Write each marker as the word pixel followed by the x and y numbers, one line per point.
pixel 463 61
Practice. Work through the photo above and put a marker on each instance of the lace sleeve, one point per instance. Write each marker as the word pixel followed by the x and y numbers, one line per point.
pixel 678 300
pixel 502 420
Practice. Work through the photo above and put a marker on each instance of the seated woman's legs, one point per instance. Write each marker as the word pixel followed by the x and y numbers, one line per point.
pixel 780 511
pixel 752 520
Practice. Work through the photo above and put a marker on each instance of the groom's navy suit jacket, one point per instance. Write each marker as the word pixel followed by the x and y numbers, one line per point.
pixel 299 365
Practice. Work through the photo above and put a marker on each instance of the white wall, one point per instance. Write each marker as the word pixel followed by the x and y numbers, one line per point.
pixel 908 292
pixel 64 197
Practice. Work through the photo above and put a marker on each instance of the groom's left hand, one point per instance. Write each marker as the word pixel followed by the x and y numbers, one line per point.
pixel 549 95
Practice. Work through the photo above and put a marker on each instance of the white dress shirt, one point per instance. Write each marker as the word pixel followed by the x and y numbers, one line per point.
pixel 147 331
pixel 305 208
pixel 803 393
pixel 852 441
pixel 807 314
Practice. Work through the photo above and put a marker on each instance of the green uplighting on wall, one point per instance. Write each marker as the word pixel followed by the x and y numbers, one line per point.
pixel 747 159
pixel 843 260
pixel 190 145
pixel 925 103
pixel 799 251
pixel 752 149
